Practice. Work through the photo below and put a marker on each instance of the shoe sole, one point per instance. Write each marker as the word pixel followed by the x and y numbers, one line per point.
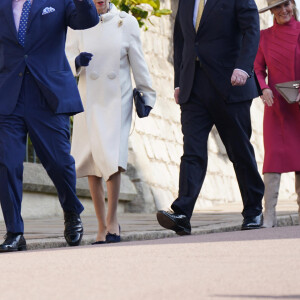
pixel 251 228
pixel 110 242
pixel 167 223
pixel 21 248
pixel 76 243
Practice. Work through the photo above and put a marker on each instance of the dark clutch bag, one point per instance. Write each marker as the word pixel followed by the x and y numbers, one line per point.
pixel 142 109
pixel 288 90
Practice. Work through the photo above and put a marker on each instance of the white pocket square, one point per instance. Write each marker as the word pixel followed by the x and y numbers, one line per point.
pixel 48 10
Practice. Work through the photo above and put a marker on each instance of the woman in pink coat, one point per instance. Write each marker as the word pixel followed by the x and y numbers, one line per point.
pixel 278 58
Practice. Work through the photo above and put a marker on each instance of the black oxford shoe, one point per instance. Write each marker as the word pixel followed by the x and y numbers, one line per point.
pixel 176 222
pixel 73 228
pixel 255 222
pixel 13 242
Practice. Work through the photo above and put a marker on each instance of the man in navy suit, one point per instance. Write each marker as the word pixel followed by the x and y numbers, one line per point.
pixel 215 44
pixel 38 93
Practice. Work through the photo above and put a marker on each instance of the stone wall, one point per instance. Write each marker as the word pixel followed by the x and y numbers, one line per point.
pixel 156 142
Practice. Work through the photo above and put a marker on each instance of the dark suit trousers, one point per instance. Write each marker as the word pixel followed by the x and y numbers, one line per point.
pixel 50 135
pixel 204 109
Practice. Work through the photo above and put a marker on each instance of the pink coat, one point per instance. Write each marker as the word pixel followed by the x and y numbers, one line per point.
pixel 279 54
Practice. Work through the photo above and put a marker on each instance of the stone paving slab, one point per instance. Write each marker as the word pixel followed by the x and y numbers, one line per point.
pixel 48 233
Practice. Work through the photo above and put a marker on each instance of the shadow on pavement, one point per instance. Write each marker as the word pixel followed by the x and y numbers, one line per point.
pixel 278 233
pixel 289 232
pixel 259 296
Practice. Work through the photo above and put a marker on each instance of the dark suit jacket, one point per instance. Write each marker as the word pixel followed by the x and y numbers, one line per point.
pixel 227 38
pixel 44 52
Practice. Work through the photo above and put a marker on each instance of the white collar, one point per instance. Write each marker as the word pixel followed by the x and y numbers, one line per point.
pixel 110 14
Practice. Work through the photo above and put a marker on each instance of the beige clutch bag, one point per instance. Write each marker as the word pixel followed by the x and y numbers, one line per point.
pixel 288 90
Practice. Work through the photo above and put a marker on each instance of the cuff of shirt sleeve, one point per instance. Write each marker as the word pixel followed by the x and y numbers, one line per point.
pixel 264 86
pixel 244 72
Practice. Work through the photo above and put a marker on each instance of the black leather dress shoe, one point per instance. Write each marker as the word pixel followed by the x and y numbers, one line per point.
pixel 73 228
pixel 176 222
pixel 255 222
pixel 13 242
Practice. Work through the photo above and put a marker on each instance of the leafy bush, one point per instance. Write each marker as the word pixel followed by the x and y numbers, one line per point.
pixel 142 10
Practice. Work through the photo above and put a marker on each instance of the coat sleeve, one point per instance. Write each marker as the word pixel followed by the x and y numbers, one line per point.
pixel 72 50
pixel 138 64
pixel 178 48
pixel 248 21
pixel 260 67
pixel 80 14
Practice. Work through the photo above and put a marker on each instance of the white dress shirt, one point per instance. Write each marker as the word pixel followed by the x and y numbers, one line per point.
pixel 17 6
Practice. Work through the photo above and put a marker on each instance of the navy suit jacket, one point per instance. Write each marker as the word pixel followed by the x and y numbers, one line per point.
pixel 43 54
pixel 227 38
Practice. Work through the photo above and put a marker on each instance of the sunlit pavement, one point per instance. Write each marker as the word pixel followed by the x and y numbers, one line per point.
pixel 257 264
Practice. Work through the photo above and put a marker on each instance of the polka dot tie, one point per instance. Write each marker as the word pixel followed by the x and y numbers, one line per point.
pixel 23 22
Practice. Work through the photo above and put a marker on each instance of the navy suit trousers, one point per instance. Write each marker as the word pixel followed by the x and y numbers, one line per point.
pixel 204 109
pixel 50 135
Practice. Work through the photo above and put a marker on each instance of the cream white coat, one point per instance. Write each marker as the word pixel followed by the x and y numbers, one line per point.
pixel 101 132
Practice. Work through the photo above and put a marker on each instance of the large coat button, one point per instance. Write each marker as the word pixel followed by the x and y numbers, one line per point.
pixel 123 14
pixel 112 75
pixel 94 75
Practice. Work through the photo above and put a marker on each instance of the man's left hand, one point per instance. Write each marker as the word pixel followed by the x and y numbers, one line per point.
pixel 238 78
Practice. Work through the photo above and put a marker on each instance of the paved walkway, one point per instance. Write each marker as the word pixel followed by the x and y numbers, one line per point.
pixel 241 265
pixel 48 233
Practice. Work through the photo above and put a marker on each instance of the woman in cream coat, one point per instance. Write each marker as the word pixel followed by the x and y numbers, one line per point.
pixel 100 134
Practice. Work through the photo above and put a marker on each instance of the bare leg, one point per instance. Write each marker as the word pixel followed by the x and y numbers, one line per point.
pixel 97 193
pixel 113 192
